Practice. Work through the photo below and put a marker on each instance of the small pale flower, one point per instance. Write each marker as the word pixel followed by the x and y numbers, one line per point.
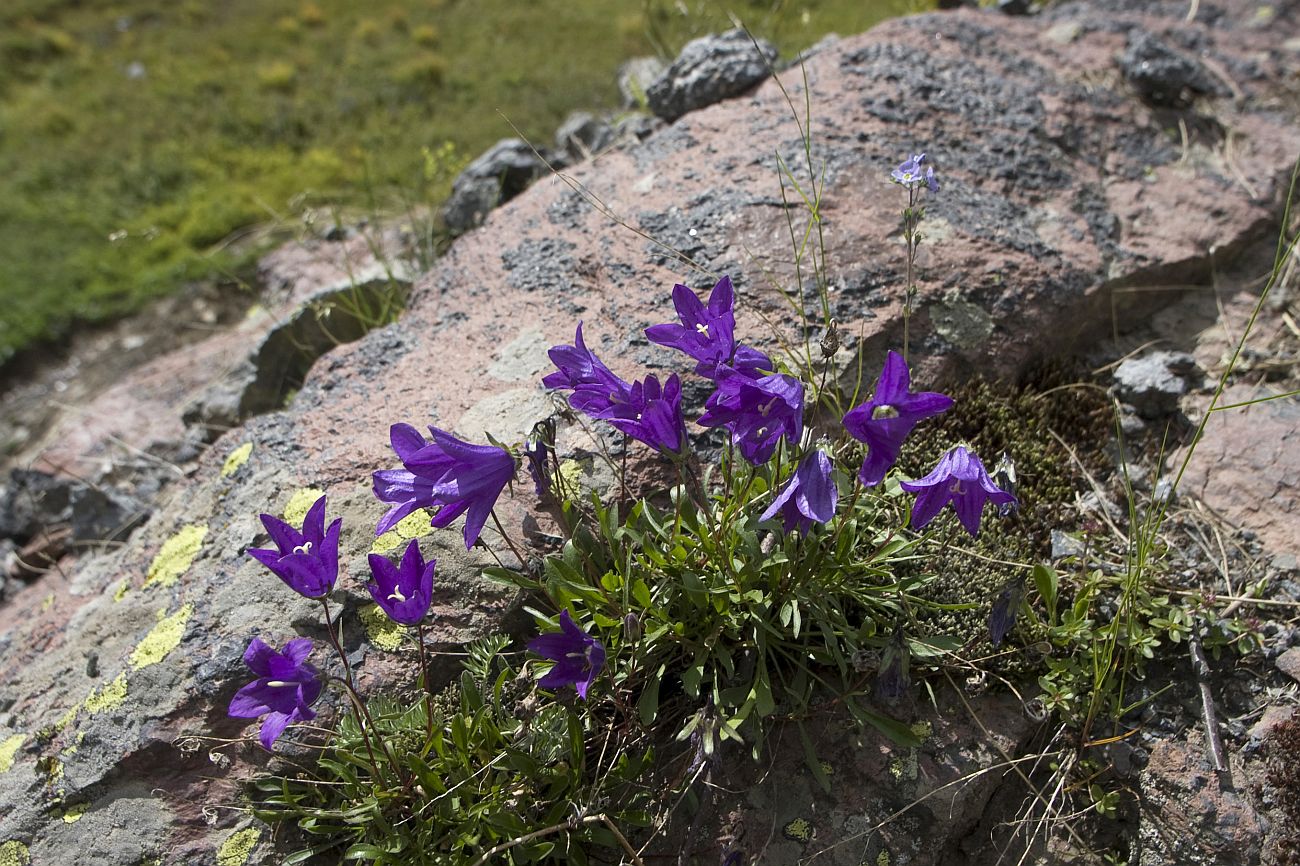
pixel 306 560
pixel 403 592
pixel 911 173
pixel 285 688
pixel 578 656
pixel 961 479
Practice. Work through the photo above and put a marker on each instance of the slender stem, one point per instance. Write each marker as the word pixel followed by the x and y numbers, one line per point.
pixel 368 724
pixel 424 681
pixel 909 289
pixel 523 561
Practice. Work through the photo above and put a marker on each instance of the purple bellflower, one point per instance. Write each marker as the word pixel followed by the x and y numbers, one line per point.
pixel 708 333
pixel 893 681
pixel 888 417
pixel 1002 616
pixel 577 655
pixel 404 591
pixel 308 561
pixel 757 411
pixel 452 476
pixel 809 497
pixel 285 688
pixel 911 174
pixel 652 414
pixel 959 478
pixel 596 389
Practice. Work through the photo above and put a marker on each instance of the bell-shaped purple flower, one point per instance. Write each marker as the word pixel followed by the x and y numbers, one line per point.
pixel 809 497
pixel 892 680
pixel 757 411
pixel 403 592
pixel 888 417
pixel 577 655
pixel 653 414
pixel 596 389
pixel 285 688
pixel 446 474
pixel 959 478
pixel 707 333
pixel 307 560
pixel 911 173
pixel 1002 616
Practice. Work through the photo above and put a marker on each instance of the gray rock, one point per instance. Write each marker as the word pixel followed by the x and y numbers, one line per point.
pixel 708 70
pixel 1162 75
pixel 1153 383
pixel 583 134
pixel 34 500
pixel 279 362
pixel 1065 545
pixel 501 173
pixel 635 77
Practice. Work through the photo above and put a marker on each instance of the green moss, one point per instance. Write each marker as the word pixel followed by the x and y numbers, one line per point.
pixel 162 638
pixel 176 555
pixel 110 696
pixel 236 459
pixel 238 846
pixel 8 749
pixel 14 853
pixel 295 510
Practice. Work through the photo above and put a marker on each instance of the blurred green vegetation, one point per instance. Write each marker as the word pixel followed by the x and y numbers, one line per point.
pixel 145 144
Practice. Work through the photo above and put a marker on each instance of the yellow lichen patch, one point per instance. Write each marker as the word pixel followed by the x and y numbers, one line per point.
pixel 162 639
pixel 238 845
pixel 66 718
pixel 236 459
pixel 922 730
pixel 74 813
pixel 122 591
pixel 108 697
pixel 882 859
pixel 177 552
pixel 798 830
pixel 14 853
pixel 8 749
pixel 295 510
pixel 413 525
pixel 47 602
pixel 382 631
pixel 570 473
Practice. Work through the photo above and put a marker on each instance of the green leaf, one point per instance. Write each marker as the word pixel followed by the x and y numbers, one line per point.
pixel 648 704
pixel 810 758
pixel 641 592
pixel 1046 581
pixel 763 701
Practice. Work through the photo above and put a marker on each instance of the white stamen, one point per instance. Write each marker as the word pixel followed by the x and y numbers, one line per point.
pixel 702 329
pixel 305 547
pixel 397 594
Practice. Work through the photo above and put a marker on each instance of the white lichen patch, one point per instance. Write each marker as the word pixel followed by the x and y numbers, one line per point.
pixel 295 510
pixel 413 525
pixel 236 459
pixel 162 638
pixel 9 750
pixel 237 847
pixel 176 555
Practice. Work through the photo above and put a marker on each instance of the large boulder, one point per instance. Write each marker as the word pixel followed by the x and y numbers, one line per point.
pixel 1062 191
